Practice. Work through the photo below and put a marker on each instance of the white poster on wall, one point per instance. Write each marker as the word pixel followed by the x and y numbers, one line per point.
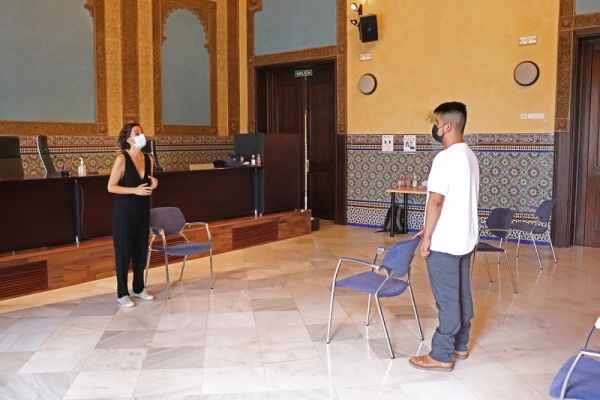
pixel 387 143
pixel 410 143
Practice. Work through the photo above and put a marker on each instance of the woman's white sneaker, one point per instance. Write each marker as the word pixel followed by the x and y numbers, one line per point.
pixel 126 301
pixel 144 295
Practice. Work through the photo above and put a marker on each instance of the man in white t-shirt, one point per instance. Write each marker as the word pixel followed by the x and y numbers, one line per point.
pixel 449 237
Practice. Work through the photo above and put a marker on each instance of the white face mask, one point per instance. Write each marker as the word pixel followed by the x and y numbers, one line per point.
pixel 139 141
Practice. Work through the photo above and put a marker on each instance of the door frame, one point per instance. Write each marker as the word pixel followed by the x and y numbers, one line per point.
pixel 340 137
pixel 567 149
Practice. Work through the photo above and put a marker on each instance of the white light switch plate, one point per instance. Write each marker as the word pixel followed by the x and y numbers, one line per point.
pixel 535 116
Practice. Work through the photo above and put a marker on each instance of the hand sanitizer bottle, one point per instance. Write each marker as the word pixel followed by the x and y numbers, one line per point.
pixel 81 170
pixel 253 160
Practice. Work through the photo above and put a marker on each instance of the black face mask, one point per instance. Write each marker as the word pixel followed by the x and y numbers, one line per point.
pixel 434 133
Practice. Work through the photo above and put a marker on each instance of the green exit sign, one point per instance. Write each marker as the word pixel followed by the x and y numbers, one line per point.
pixel 303 72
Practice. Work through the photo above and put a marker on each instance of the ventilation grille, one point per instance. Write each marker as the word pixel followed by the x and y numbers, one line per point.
pixel 19 280
pixel 254 234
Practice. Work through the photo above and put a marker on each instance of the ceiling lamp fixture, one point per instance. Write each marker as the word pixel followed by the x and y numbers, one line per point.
pixel 356 7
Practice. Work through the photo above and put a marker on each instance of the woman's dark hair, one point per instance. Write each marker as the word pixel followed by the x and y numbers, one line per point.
pixel 124 135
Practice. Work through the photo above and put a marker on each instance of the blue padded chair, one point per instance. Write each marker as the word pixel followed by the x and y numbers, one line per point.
pixel 169 221
pixel 543 217
pixel 579 377
pixel 395 265
pixel 498 225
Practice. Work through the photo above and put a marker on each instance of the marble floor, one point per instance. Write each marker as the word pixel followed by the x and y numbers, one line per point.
pixel 260 333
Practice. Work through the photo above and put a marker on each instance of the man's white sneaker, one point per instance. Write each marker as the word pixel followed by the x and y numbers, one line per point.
pixel 144 295
pixel 126 301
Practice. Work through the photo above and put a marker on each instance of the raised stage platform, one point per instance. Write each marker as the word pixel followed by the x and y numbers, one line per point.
pixel 66 265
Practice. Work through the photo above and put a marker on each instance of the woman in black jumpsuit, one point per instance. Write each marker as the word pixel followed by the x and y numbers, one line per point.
pixel 131 179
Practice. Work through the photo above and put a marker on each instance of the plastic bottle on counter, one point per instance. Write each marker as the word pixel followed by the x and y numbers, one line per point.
pixel 258 160
pixel 415 182
pixel 81 170
pixel 253 160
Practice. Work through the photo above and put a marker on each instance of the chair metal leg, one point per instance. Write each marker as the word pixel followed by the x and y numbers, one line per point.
pixel 487 264
pixel 330 312
pixel 563 391
pixel 412 298
pixel 368 310
pixel 147 266
pixel 551 246
pixel 499 253
pixel 167 273
pixel 518 244
pixel 387 336
pixel 536 251
pixel 512 279
pixel 211 269
pixel 182 268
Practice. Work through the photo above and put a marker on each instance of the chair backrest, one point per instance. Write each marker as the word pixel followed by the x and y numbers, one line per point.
pixel 400 255
pixel 150 148
pixel 169 219
pixel 44 152
pixel 10 156
pixel 545 209
pixel 500 218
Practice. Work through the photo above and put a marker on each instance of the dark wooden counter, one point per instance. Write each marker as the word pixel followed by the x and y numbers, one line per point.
pixel 36 211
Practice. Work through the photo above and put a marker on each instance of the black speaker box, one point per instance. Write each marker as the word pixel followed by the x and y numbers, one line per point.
pixel 368 28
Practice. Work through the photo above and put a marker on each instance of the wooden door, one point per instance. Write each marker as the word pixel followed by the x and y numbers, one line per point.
pixel 587 218
pixel 292 103
pixel 321 142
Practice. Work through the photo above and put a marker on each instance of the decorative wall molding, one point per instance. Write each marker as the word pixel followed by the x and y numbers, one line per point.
pixel 254 5
pixel 99 152
pixel 129 61
pixel 188 130
pixel 96 8
pixel 205 11
pixel 233 67
pixel 316 53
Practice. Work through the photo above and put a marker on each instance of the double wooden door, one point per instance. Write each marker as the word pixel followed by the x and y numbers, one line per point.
pixel 587 208
pixel 307 106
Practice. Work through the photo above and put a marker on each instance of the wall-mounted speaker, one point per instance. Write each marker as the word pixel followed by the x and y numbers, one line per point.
pixel 368 28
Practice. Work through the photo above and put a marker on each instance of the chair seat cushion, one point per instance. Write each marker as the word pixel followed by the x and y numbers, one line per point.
pixel 184 249
pixel 369 282
pixel 484 247
pixel 527 227
pixel 583 383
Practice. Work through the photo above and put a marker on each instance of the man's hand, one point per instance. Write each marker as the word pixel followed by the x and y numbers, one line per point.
pixel 424 247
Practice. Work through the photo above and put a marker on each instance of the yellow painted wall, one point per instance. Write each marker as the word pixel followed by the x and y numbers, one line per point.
pixel 434 51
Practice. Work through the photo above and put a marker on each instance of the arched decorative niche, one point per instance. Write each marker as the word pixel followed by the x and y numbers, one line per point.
pixel 94 9
pixel 170 16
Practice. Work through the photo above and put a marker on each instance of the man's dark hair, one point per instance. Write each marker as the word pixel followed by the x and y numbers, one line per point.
pixel 453 112
pixel 124 135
